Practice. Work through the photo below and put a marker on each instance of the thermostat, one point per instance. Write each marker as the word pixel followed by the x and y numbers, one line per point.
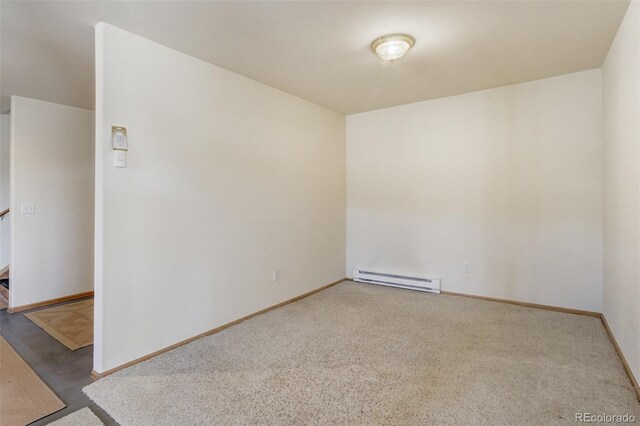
pixel 119 138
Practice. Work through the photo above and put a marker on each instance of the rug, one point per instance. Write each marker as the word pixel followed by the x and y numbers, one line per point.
pixel 71 324
pixel 24 397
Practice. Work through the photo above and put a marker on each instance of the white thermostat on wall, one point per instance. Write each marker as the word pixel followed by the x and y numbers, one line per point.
pixel 119 138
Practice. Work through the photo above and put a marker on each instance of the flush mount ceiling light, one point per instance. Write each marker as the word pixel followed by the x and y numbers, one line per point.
pixel 392 46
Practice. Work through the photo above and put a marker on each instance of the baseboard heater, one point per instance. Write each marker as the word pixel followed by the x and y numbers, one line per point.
pixel 431 285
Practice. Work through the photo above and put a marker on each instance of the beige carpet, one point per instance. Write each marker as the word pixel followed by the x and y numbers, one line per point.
pixel 83 417
pixel 24 397
pixel 359 354
pixel 71 324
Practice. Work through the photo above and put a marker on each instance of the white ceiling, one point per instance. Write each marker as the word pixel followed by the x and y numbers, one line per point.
pixel 316 50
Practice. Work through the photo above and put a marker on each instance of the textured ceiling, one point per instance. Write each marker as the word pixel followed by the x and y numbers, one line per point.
pixel 316 50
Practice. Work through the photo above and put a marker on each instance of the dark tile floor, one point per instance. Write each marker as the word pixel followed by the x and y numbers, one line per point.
pixel 66 372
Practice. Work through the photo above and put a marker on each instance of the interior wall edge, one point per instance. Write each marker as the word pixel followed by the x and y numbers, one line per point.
pixel 98 239
pixel 12 260
pixel 625 364
pixel 621 157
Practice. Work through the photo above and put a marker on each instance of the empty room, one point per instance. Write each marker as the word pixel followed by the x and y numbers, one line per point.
pixel 319 212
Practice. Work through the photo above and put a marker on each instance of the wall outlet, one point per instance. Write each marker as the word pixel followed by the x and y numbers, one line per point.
pixel 28 208
pixel 467 268
pixel 276 275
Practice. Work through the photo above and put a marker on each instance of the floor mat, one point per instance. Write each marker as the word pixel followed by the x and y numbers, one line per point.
pixel 70 324
pixel 24 397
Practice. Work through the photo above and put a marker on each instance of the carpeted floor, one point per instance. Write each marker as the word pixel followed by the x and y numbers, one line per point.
pixel 364 354
pixel 83 417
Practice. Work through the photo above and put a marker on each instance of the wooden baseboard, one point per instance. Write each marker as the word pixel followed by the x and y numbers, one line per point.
pixel 50 302
pixel 627 368
pixel 632 378
pixel 525 304
pixel 95 375
pixel 529 305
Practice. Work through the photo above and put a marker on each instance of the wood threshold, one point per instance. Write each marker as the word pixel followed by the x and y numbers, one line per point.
pixel 95 375
pixel 49 302
pixel 626 366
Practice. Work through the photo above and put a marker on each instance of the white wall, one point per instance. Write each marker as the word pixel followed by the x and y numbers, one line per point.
pixel 621 96
pixel 51 166
pixel 507 179
pixel 227 180
pixel 5 225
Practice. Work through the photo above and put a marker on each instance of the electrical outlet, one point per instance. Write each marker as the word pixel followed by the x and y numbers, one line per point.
pixel 467 268
pixel 28 208
pixel 276 275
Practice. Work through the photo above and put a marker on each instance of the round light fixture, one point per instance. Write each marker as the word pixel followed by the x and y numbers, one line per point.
pixel 392 46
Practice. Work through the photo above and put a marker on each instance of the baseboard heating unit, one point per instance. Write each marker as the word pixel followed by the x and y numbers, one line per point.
pixel 431 285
